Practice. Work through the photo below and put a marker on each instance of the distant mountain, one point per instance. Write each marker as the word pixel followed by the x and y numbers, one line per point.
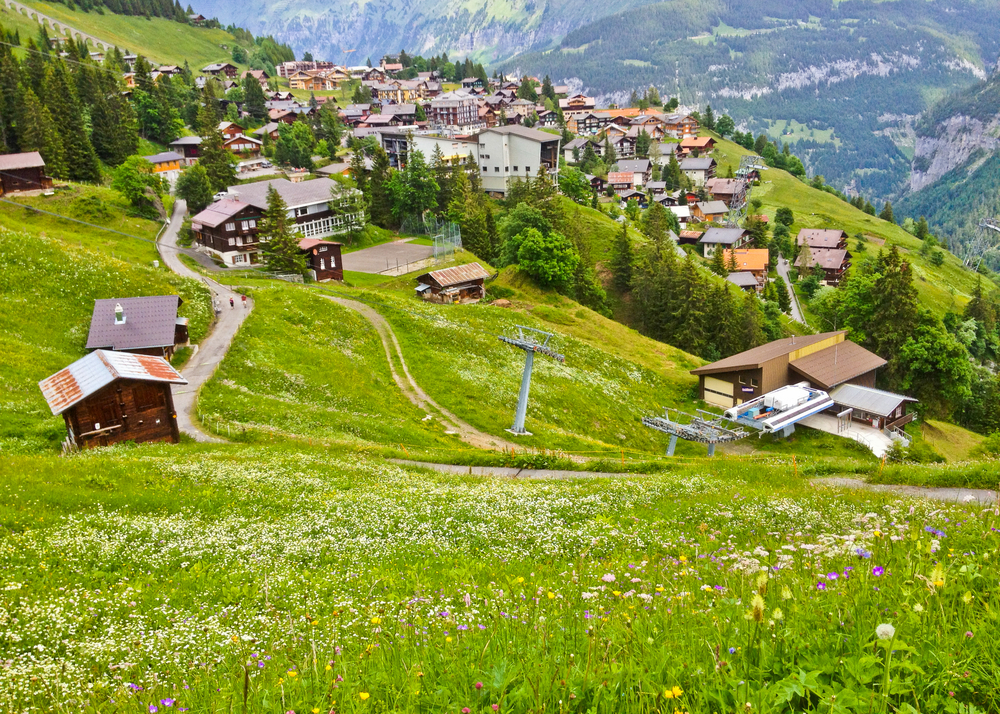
pixel 488 30
pixel 955 177
pixel 841 82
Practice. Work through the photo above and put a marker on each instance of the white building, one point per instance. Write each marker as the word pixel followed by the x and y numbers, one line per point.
pixel 514 153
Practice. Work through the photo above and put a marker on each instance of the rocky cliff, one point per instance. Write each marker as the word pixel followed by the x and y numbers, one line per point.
pixel 957 141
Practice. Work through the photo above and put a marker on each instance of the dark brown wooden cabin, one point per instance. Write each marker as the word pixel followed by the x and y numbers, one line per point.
pixel 323 257
pixel 463 283
pixel 109 397
pixel 23 172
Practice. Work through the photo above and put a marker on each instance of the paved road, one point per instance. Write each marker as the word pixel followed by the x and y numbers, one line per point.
pixel 214 347
pixel 783 267
pixel 388 258
pixel 465 431
pixel 956 495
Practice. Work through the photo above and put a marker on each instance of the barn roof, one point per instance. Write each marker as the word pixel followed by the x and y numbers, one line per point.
pixel 29 160
pixel 149 322
pixel 92 373
pixel 458 274
pixel 837 364
pixel 757 356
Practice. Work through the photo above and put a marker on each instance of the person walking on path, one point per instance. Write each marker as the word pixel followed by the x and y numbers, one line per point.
pixel 232 303
pixel 244 297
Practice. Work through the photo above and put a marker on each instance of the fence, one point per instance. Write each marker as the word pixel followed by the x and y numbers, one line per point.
pixel 447 235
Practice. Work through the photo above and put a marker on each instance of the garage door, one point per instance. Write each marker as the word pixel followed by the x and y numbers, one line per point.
pixel 718 393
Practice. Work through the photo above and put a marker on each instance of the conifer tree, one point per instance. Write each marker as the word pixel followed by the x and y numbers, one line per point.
pixel 731 265
pixel 11 97
pixel 279 242
pixel 718 264
pixel 114 131
pixel 886 214
pixel 215 158
pixel 379 201
pixel 38 132
pixel 61 101
pixel 254 101
pixel 751 323
pixel 621 260
pixel 34 67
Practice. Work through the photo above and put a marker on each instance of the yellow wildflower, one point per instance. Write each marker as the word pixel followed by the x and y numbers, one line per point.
pixel 376 620
pixel 328 668
pixel 667 694
pixel 520 580
pixel 315 710
pixel 364 695
pixel 677 691
pixel 967 598
pixel 292 673
pixel 552 595
pixel 447 639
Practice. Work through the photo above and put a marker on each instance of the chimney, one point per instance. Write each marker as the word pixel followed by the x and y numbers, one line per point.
pixel 119 314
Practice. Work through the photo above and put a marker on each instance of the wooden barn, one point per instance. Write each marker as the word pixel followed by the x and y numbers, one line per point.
pixel 144 325
pixel 323 258
pixel 463 283
pixel 109 397
pixel 23 172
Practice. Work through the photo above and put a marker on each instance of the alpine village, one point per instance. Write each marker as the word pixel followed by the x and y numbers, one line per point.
pixel 451 380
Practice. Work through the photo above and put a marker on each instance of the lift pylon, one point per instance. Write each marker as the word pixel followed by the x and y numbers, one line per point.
pixel 741 199
pixel 532 341
pixel 987 237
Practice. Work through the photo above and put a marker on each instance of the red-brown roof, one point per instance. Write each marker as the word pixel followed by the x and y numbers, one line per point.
pixel 29 160
pixel 621 177
pixel 821 237
pixel 759 355
pixel 826 258
pixel 219 212
pixel 836 365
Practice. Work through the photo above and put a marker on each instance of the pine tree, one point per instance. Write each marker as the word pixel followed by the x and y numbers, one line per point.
pixel 35 63
pixel 215 158
pixel 886 214
pixel 708 118
pixel 731 265
pixel 443 175
pixel 114 131
pixel 38 132
pixel 751 329
pixel 279 243
pixel 254 100
pixel 379 201
pixel 61 101
pixel 784 300
pixel 11 99
pixel 621 260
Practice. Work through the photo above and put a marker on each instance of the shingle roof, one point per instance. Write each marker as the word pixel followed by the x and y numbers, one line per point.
pixel 702 163
pixel 821 237
pixel 458 274
pixel 722 236
pixel 873 401
pixel 186 141
pixel 29 160
pixel 713 207
pixel 310 243
pixel 97 370
pixel 759 355
pixel 826 258
pixel 149 322
pixel 303 193
pixel 637 166
pixel 219 212
pixel 836 365
pixel 743 279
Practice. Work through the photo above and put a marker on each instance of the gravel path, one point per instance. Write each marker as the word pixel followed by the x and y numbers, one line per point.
pixel 783 267
pixel 955 495
pixel 212 348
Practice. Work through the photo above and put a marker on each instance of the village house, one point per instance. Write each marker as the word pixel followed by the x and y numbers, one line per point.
pixel 144 325
pixel 621 182
pixel 110 397
pixel 825 361
pixel 588 123
pixel 230 130
pixel 398 145
pixel 573 150
pixel 881 410
pixel 577 103
pixel 641 170
pixel 755 261
pixel 701 144
pixel 286 69
pixel 548 119
pixel 223 69
pixel 596 182
pixel 514 153
pixel 682 213
pixel 679 126
pixel 461 284
pixel 834 262
pixel 189 147
pixel 624 146
pixel 721 239
pixel 824 238
pixel 456 109
pixel 244 145
pixel 472 83
pixel 691 237
pixel 632 195
pixel 323 259
pixel 745 281
pixel 228 230
pixel 260 75
pixel 166 165
pixel 320 207
pixel 699 170
pixel 169 70
pixel 723 189
pixel 311 81
pixel 710 211
pixel 23 172
pixel 271 129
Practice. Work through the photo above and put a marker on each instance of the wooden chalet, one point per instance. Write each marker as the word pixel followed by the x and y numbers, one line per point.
pixel 23 172
pixel 220 69
pixel 699 170
pixel 189 147
pixel 463 283
pixel 721 239
pixel 825 361
pixel 228 229
pixel 748 260
pixel 596 182
pixel 701 144
pixel 271 129
pixel 881 410
pixel 621 181
pixel 260 75
pixel 109 397
pixel 244 145
pixel 323 258
pixel 834 262
pixel 166 165
pixel 230 130
pixel 143 325
pixel 710 211
pixel 723 189
pixel 822 238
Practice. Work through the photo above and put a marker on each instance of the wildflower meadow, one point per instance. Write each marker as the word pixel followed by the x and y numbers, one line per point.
pixel 241 579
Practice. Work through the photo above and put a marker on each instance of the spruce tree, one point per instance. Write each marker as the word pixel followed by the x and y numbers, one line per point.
pixel 751 328
pixel 254 101
pixel 114 131
pixel 621 260
pixel 886 214
pixel 718 263
pixel 61 101
pixel 35 63
pixel 38 132
pixel 379 201
pixel 279 242
pixel 214 157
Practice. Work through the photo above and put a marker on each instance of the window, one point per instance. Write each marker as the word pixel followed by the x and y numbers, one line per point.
pixel 147 396
pixel 496 169
pixel 322 263
pixel 485 169
pixel 527 169
pixel 230 226
pixel 247 225
pixel 301 211
pixel 322 249
pixel 232 241
pixel 515 169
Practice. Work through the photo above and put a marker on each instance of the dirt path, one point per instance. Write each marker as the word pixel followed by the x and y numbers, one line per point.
pixel 214 347
pixel 466 432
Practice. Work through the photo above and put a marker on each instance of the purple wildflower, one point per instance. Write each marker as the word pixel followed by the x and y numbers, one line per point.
pixel 821 586
pixel 167 702
pixel 832 576
pixel 877 571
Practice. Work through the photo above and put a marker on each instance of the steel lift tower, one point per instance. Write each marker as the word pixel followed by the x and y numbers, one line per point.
pixel 987 237
pixel 741 199
pixel 531 341
pixel 705 429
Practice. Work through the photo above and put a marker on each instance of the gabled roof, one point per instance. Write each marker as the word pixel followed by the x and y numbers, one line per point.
pixel 310 243
pixel 752 359
pixel 304 193
pixel 638 166
pixel 92 373
pixel 702 163
pixel 186 141
pixel 696 142
pixel 722 186
pixel 748 258
pixel 826 258
pixel 836 365
pixel 712 207
pixel 458 274
pixel 743 279
pixel 219 212
pixel 149 322
pixel 29 160
pixel 821 237
pixel 268 128
pixel 873 401
pixel 722 236
pixel 164 157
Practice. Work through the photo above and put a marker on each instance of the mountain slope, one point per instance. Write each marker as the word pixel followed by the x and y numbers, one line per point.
pixel 487 29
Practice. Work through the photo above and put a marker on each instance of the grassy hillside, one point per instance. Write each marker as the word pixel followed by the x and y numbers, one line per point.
pixel 159 39
pixel 941 289
pixel 47 292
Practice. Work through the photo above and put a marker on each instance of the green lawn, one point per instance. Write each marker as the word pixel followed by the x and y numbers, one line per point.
pixel 160 40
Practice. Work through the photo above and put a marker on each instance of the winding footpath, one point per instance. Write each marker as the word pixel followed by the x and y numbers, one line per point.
pixel 783 268
pixel 409 387
pixel 213 348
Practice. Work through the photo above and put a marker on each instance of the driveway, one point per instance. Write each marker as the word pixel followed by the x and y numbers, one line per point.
pixel 213 348
pixel 389 258
pixel 783 267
